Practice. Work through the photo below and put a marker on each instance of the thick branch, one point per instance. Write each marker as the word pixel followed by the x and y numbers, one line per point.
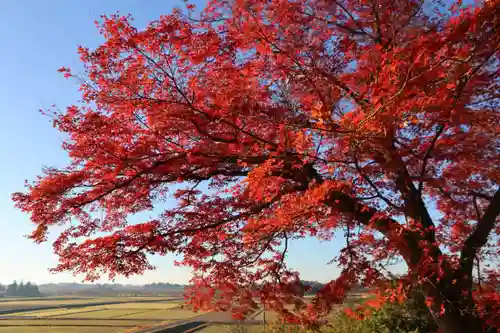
pixel 405 241
pixel 414 204
pixel 479 237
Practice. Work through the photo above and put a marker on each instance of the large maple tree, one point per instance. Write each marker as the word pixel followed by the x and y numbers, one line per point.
pixel 270 121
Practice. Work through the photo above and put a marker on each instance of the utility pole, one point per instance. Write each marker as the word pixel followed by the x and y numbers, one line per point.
pixel 264 317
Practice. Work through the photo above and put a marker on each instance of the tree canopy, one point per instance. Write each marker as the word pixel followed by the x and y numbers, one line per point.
pixel 270 121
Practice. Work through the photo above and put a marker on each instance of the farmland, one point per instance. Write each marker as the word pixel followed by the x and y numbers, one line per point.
pixel 128 314
pixel 103 314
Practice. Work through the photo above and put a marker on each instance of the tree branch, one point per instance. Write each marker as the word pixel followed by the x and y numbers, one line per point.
pixel 479 236
pixel 427 156
pixel 375 188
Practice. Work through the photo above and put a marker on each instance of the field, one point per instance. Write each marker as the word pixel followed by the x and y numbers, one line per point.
pixel 231 329
pixel 120 314
pixel 110 314
pixel 59 329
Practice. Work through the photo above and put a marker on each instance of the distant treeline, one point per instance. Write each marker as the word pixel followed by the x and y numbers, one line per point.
pixel 22 289
pixel 313 285
pixel 162 286
pixel 110 289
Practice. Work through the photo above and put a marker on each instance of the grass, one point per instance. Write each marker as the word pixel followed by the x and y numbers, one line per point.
pixel 97 311
pixel 60 301
pixel 146 306
pixel 56 303
pixel 162 315
pixel 61 306
pixel 119 317
pixel 59 329
pixel 104 313
pixel 56 312
pixel 269 316
pixel 233 329
pixel 55 298
pixel 73 323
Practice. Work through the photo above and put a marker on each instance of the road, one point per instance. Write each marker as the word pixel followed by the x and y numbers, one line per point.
pixel 199 322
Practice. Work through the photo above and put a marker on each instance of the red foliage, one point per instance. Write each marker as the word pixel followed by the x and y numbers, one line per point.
pixel 277 120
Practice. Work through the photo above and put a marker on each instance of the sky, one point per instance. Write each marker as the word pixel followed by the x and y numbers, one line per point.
pixel 37 38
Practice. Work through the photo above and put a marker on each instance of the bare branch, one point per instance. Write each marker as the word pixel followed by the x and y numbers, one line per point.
pixel 375 188
pixel 428 155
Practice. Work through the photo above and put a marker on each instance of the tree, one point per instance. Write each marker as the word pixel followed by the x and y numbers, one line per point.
pixel 12 289
pixel 313 286
pixel 31 290
pixel 21 290
pixel 277 120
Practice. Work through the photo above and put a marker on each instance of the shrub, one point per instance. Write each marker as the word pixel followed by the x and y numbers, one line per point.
pixel 409 317
pixel 400 318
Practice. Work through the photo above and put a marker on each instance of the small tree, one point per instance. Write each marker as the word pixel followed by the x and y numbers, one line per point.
pixel 282 120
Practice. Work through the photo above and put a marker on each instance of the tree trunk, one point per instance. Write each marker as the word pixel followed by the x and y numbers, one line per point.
pixel 460 315
pixel 457 322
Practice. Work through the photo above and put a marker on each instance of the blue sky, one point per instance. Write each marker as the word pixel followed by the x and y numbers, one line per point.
pixel 38 37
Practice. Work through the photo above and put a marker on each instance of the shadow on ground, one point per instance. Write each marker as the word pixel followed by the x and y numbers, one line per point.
pixel 195 326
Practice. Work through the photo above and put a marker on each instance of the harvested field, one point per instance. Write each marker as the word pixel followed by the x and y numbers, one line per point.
pixel 79 315
pixel 173 314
